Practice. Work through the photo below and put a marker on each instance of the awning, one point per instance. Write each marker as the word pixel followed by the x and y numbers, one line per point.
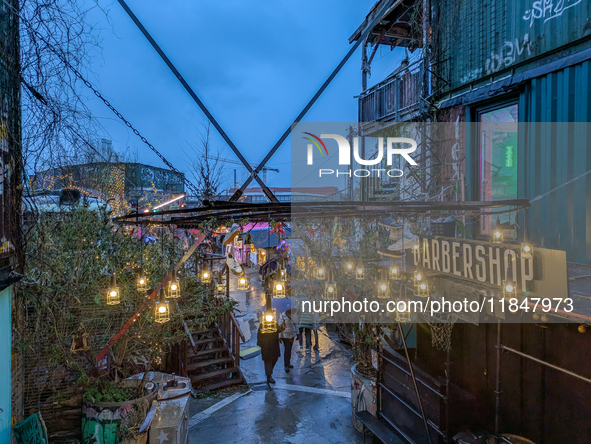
pixel 266 239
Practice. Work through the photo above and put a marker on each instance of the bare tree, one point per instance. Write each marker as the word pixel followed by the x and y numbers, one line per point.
pixel 206 165
pixel 58 127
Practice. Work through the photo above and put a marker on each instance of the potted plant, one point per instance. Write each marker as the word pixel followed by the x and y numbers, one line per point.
pixel 113 412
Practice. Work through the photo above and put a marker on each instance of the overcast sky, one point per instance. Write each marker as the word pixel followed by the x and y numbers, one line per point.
pixel 255 64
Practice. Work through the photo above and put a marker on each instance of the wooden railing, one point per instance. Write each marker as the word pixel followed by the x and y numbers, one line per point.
pixel 232 334
pixel 393 99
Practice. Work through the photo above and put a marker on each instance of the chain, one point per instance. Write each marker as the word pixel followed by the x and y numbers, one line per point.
pixel 559 186
pixel 97 93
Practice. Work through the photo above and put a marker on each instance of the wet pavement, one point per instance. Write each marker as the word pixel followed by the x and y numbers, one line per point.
pixel 309 404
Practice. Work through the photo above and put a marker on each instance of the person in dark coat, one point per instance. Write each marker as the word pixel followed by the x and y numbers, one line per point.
pixel 270 352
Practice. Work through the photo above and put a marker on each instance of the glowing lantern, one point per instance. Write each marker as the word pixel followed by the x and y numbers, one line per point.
pixel 360 271
pixel 320 272
pixel 279 289
pixel 269 321
pixel 242 283
pixel 206 276
pixel 162 312
pixel 174 286
pixel 113 294
pixel 142 281
pixel 509 290
pixel 422 289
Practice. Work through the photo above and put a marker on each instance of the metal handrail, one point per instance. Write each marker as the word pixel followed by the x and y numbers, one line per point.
pixel 411 408
pixel 441 395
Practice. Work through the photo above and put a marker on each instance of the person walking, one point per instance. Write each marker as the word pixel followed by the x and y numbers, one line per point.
pixel 308 322
pixel 270 352
pixel 287 336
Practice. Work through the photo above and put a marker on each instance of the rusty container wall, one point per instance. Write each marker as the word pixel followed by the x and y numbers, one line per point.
pixel 482 40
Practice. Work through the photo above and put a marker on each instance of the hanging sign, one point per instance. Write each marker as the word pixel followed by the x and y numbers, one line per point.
pixel 494 264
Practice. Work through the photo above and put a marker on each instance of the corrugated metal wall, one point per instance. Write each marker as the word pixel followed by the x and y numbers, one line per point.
pixel 554 155
pixel 482 38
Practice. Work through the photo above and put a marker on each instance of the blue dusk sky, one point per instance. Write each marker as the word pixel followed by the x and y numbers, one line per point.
pixel 255 64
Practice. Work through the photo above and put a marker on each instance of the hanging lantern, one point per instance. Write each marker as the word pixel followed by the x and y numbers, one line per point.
pixel 330 289
pixel 242 283
pixel 349 266
pixel 113 294
pixel 383 287
pixel 142 281
pixel 497 236
pixel 282 274
pixel 418 278
pixel 320 273
pixel 220 288
pixel 174 286
pixel 403 313
pixel 279 289
pixel 383 290
pixel 206 276
pixel 269 321
pixel 422 289
pixel 360 271
pixel 509 290
pixel 162 312
pixel 395 273
pixel 527 250
pixel 262 256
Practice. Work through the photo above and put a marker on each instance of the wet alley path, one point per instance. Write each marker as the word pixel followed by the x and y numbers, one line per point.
pixel 310 404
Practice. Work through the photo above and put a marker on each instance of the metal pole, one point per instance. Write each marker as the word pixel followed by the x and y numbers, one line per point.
pixel 498 386
pixel 364 69
pixel 446 438
pixel 197 100
pixel 300 116
pixel 414 381
pixel 547 364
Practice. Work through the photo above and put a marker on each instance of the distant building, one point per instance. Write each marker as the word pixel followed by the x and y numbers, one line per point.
pixel 288 194
pixel 114 182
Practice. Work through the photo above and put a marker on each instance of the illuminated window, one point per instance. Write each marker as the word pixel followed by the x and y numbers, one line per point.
pixel 497 165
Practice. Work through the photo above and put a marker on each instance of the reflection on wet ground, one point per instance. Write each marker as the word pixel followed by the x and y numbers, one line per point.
pixel 282 415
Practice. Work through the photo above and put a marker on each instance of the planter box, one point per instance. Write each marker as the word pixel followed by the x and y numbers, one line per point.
pixel 363 396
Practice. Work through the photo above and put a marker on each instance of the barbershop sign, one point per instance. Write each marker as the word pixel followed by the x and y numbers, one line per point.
pixel 493 263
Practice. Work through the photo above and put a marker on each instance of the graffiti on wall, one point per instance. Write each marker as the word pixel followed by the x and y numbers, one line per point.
pixel 545 10
pixel 520 48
